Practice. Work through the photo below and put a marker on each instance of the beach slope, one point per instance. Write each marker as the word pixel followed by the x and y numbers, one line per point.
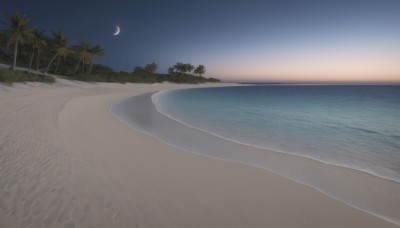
pixel 65 161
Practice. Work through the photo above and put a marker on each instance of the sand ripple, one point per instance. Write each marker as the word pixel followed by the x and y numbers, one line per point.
pixel 41 184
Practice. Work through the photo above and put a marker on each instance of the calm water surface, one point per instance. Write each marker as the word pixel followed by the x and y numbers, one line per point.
pixel 352 126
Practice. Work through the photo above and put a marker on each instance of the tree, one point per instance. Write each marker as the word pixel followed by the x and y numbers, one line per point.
pixel 38 44
pixel 200 70
pixel 42 50
pixel 179 67
pixel 183 67
pixel 102 70
pixel 152 67
pixel 18 32
pixel 60 46
pixel 83 54
pixel 95 52
pixel 3 41
pixel 171 71
pixel 137 69
pixel 188 67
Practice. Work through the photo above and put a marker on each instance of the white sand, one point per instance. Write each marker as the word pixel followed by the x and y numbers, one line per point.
pixel 359 189
pixel 65 161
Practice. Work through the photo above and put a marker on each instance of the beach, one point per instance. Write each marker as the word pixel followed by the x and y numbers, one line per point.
pixel 66 161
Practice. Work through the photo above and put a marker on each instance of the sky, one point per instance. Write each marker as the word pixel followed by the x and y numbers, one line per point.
pixel 257 41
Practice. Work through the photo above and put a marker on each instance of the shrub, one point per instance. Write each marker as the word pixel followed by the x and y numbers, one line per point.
pixel 11 76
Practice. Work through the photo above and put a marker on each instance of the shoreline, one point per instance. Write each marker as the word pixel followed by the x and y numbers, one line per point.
pixel 261 148
pixel 66 161
pixel 346 194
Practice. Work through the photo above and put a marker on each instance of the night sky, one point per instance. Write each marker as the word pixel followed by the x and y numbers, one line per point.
pixel 280 40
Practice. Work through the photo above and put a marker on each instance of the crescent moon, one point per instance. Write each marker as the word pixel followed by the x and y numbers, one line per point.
pixel 117 30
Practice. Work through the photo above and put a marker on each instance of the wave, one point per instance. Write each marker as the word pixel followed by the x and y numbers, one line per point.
pixel 360 190
pixel 155 98
pixel 369 131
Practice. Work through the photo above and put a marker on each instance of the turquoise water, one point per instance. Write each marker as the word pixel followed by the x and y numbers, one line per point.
pixel 352 126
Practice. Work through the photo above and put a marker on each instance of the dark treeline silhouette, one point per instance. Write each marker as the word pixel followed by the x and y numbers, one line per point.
pixel 22 45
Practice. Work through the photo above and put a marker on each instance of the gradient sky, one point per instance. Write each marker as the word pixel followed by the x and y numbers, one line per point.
pixel 272 41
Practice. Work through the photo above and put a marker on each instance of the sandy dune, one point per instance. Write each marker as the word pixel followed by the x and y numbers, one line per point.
pixel 65 161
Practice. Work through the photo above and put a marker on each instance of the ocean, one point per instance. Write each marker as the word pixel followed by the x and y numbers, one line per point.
pixel 355 126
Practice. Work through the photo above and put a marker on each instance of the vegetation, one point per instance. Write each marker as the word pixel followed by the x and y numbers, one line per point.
pixel 200 70
pixel 17 33
pixel 9 76
pixel 54 55
pixel 182 73
pixel 97 52
pixel 38 45
pixel 60 48
pixel 151 67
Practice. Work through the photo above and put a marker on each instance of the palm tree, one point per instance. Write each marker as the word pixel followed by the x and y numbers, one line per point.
pixel 179 67
pixel 40 50
pixel 60 46
pixel 200 70
pixel 152 67
pixel 82 52
pixel 95 52
pixel 38 44
pixel 188 67
pixel 18 32
pixel 183 67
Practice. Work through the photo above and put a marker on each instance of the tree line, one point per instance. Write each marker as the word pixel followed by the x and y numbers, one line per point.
pixel 179 73
pixel 40 52
pixel 29 47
